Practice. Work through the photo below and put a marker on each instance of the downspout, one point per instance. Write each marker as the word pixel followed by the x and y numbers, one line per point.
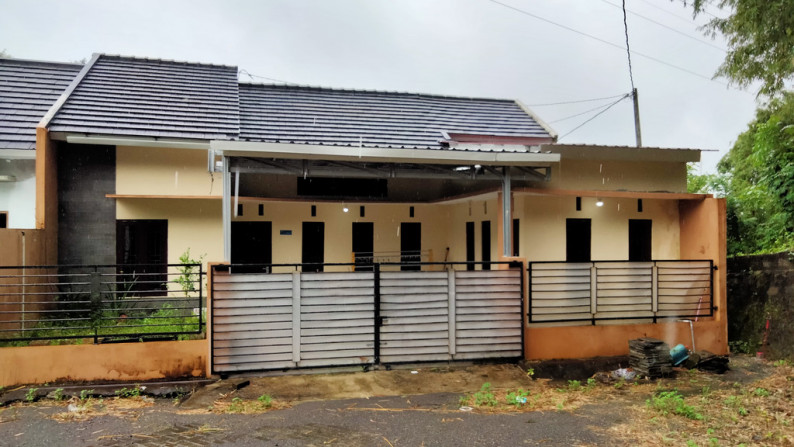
pixel 507 221
pixel 24 281
pixel 226 203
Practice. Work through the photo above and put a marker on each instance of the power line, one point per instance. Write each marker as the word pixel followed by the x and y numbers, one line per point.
pixel 574 102
pixel 663 25
pixel 589 110
pixel 628 51
pixel 582 33
pixel 592 118
pixel 252 76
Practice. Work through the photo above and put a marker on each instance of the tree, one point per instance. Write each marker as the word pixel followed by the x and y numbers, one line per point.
pixel 760 35
pixel 757 177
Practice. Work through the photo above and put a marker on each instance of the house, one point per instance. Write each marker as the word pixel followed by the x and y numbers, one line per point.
pixel 474 232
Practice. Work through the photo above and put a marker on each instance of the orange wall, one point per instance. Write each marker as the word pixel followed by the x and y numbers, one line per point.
pixel 118 361
pixel 573 342
pixel 702 236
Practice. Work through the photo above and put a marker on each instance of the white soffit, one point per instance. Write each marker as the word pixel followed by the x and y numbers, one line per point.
pixel 623 153
pixel 377 154
pixel 17 154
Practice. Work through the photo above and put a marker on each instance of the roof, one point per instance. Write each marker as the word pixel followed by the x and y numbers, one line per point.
pixel 129 96
pixel 27 90
pixel 312 115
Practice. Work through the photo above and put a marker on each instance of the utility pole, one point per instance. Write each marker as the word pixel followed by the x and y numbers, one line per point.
pixel 636 117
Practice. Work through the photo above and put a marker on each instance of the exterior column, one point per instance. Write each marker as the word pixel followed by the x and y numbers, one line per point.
pixel 507 221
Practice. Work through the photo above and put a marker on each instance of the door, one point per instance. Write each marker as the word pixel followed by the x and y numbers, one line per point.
pixel 470 245
pixel 410 245
pixel 363 236
pixel 313 248
pixel 142 252
pixel 577 240
pixel 485 241
pixel 252 243
pixel 640 242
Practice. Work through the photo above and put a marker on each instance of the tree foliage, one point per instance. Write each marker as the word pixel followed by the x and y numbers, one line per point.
pixel 760 35
pixel 757 178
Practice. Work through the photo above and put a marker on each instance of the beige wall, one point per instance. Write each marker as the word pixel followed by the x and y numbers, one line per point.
pixel 192 223
pixel 157 171
pixel 542 236
pixel 618 176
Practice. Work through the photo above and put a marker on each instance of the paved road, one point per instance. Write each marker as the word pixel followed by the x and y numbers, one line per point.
pixel 426 420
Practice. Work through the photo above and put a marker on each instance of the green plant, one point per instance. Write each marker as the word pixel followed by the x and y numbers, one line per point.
pixel 620 383
pixel 85 394
pixel 127 393
pixel 530 372
pixel 781 362
pixel 741 347
pixel 485 396
pixel 265 400
pixel 58 394
pixel 189 275
pixel 691 443
pixel 30 396
pixel 591 383
pixel 761 392
pixel 517 398
pixel 464 400
pixel 667 402
pixel 236 406
pixel 743 411
pixel 574 385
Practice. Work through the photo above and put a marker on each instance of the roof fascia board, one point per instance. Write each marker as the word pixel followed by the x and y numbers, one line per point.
pixel 18 154
pixel 543 124
pixel 45 120
pixel 132 141
pixel 387 155
pixel 573 152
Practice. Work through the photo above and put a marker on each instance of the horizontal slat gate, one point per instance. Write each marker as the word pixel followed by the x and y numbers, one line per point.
pixel 279 321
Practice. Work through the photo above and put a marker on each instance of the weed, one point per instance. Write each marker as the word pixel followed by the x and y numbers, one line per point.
pixel 530 372
pixel 714 442
pixel 667 402
pixel 58 394
pixel 30 396
pixel 743 411
pixel 742 346
pixel 761 392
pixel 125 393
pixel 781 362
pixel 591 383
pixel 485 396
pixel 236 406
pixel 265 401
pixel 85 394
pixel 691 443
pixel 560 405
pixel 517 398
pixel 705 391
pixel 574 385
pixel 464 400
pixel 620 383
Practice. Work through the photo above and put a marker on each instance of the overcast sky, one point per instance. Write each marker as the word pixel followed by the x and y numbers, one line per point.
pixel 452 47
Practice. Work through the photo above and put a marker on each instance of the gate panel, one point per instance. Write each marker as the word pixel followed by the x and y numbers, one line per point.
pixel 337 318
pixel 252 322
pixel 415 311
pixel 488 315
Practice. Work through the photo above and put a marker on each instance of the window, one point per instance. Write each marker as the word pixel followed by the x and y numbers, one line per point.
pixel 486 244
pixel 3 219
pixel 142 252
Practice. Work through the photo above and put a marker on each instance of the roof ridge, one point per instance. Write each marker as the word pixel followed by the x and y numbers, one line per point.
pixel 56 106
pixel 39 62
pixel 171 61
pixel 353 90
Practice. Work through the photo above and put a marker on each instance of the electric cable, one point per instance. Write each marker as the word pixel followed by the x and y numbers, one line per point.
pixel 628 50
pixel 574 102
pixel 592 118
pixel 588 111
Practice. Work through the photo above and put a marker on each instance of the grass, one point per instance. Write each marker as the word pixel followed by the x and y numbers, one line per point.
pixel 115 324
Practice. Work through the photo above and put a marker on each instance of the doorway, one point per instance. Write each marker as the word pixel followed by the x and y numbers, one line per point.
pixel 252 243
pixel 313 248
pixel 640 242
pixel 577 240
pixel 363 237
pixel 410 245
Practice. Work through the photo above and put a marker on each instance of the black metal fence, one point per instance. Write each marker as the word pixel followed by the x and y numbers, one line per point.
pixel 103 303
pixel 620 290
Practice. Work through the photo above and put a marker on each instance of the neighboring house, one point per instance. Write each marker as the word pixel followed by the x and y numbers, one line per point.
pixel 140 160
pixel 27 90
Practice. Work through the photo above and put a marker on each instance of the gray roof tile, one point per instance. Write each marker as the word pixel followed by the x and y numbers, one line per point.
pixel 27 90
pixel 382 119
pixel 150 97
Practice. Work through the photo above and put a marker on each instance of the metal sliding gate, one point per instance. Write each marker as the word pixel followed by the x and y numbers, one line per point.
pixel 264 321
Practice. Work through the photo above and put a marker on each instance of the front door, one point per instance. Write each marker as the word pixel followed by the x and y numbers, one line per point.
pixel 252 243
pixel 363 235
pixel 313 248
pixel 410 245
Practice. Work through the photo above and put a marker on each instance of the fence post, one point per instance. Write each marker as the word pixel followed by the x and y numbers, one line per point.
pixel 451 313
pixel 593 291
pixel 296 317
pixel 655 290
pixel 95 294
pixel 377 320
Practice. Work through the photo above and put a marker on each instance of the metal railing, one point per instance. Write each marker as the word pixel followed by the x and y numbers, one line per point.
pixel 620 290
pixel 104 303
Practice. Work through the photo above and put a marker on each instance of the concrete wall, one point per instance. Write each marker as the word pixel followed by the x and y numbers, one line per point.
pixel 613 175
pixel 760 288
pixel 86 218
pixel 543 235
pixel 18 198
pixel 119 361
pixel 157 171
